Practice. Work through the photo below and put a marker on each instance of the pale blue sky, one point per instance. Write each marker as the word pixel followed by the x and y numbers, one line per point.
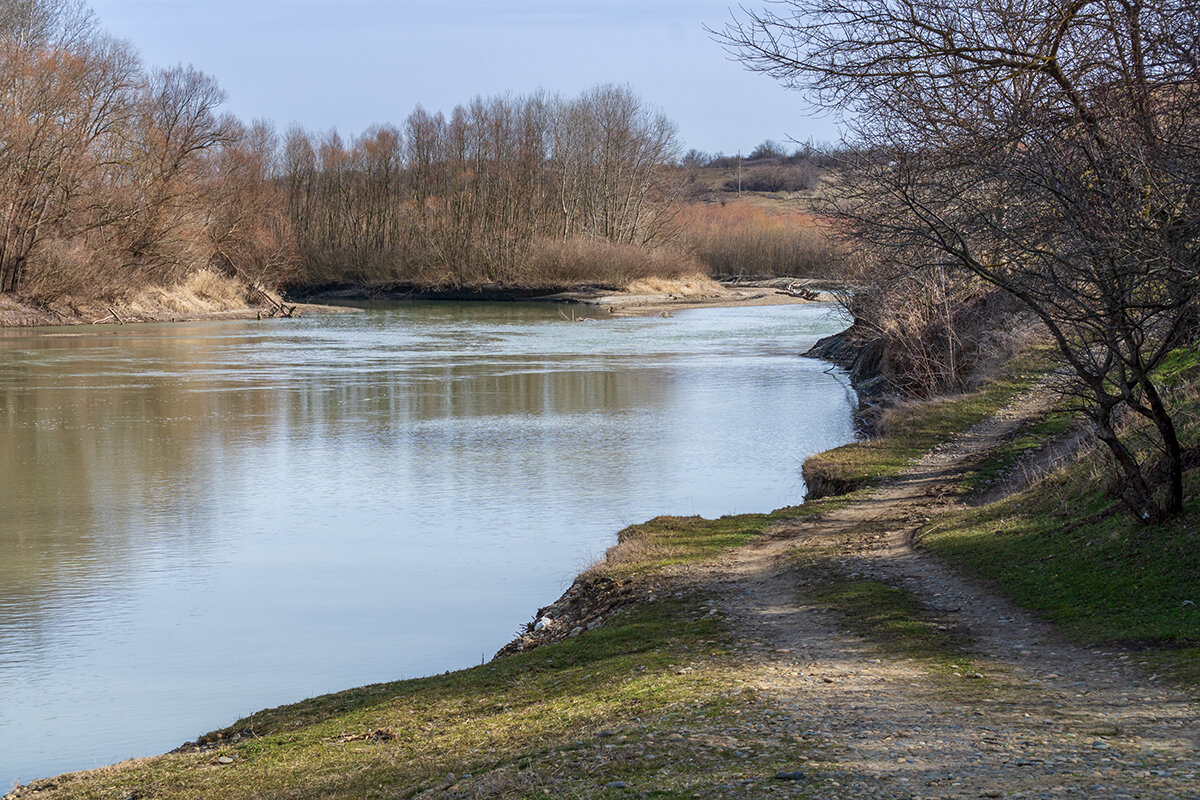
pixel 352 63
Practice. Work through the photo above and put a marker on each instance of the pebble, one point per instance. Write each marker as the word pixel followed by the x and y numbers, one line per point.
pixel 225 760
pixel 789 776
pixel 616 785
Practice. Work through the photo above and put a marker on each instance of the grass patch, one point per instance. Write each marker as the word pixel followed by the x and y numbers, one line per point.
pixel 892 619
pixel 1043 430
pixel 514 725
pixel 1065 551
pixel 893 622
pixel 910 430
pixel 666 541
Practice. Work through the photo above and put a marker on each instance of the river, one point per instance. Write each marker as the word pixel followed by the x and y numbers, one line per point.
pixel 201 520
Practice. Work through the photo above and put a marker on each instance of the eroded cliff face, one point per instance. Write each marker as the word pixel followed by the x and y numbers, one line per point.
pixel 864 358
pixel 861 356
pixel 818 483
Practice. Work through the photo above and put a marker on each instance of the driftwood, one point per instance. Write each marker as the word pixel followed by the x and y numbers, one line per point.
pixel 800 290
pixel 275 306
pixel 112 312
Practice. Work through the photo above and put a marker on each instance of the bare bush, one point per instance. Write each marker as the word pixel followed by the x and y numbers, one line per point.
pixel 559 263
pixel 740 239
pixel 777 177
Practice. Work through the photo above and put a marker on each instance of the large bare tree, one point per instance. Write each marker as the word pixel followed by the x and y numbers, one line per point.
pixel 67 94
pixel 1048 148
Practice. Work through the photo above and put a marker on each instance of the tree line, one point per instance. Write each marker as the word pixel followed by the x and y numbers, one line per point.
pixel 470 197
pixel 113 175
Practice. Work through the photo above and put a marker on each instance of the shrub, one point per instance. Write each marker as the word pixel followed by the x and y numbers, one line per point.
pixel 557 263
pixel 740 239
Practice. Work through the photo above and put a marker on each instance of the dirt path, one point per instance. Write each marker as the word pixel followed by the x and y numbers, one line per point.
pixel 1029 715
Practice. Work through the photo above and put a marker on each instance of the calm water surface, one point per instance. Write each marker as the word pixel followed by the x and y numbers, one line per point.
pixel 198 521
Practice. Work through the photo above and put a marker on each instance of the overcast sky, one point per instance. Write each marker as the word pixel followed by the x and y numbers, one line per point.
pixel 351 63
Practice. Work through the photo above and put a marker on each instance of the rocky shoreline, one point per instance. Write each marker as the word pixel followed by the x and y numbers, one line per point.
pixel 586 605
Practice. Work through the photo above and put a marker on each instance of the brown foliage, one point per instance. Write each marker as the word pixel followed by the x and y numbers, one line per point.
pixel 470 198
pixel 114 178
pixel 558 263
pixel 739 239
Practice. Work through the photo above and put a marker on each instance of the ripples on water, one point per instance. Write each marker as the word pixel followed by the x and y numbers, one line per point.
pixel 202 520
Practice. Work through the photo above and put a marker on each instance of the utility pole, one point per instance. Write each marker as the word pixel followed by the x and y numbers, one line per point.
pixel 739 174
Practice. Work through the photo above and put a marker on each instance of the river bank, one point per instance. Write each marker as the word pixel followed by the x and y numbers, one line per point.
pixel 643 298
pixel 593 301
pixel 295 463
pixel 844 648
pixel 203 296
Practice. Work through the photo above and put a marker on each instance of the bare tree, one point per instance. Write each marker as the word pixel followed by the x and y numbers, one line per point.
pixel 1049 149
pixel 66 93
pixel 179 125
pixel 610 157
pixel 250 233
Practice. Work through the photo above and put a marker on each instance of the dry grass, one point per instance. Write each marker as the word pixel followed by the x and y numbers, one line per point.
pixel 557 263
pixel 202 292
pixel 637 550
pixel 697 285
pixel 740 238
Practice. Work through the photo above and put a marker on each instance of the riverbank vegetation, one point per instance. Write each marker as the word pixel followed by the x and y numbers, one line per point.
pixel 120 177
pixel 1029 171
pixel 115 177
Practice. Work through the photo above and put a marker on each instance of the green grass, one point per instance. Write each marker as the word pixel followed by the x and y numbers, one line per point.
pixel 667 541
pixel 660 680
pixel 920 427
pixel 1042 430
pixel 1108 582
pixel 1067 550
pixel 1064 548
pixel 892 619
pixel 514 722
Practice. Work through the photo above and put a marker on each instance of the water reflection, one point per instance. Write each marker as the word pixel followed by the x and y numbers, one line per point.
pixel 202 520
